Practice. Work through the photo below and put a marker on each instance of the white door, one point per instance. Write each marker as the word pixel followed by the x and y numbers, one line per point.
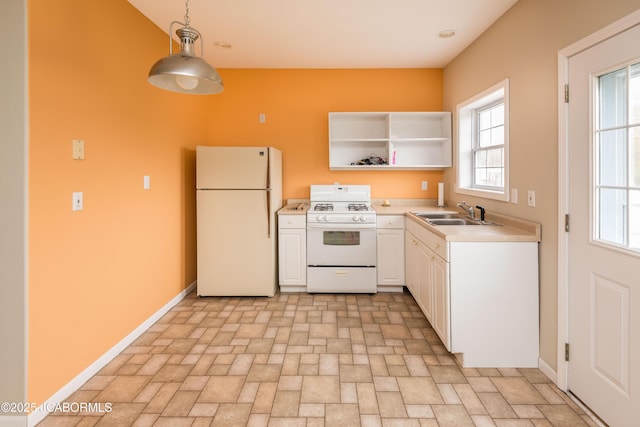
pixel 604 238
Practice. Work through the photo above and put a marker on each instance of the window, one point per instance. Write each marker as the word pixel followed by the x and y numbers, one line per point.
pixel 616 189
pixel 483 144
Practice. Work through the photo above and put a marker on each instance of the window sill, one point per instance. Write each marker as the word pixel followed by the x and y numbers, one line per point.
pixel 485 194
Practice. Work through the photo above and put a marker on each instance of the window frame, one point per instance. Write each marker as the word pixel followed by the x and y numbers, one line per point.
pixel 467 112
pixel 598 144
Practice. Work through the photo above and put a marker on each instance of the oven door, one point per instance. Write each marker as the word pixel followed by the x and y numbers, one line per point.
pixel 333 246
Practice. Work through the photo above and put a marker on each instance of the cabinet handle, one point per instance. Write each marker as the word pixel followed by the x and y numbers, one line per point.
pixel 437 246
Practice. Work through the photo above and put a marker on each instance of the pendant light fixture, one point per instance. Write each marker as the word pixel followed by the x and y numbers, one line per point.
pixel 185 72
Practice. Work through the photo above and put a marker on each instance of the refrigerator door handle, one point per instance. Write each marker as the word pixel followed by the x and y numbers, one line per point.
pixel 268 193
pixel 268 213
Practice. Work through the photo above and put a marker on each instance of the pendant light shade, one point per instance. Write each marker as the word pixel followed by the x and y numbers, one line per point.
pixel 185 72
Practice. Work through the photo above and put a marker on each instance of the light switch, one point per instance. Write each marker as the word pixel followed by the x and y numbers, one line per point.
pixel 146 182
pixel 514 196
pixel 78 149
pixel 531 198
pixel 77 201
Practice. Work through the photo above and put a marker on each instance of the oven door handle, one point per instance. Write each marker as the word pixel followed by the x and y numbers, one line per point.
pixel 341 227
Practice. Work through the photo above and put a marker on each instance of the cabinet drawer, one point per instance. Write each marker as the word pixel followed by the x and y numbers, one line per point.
pixel 420 232
pixel 436 243
pixel 292 221
pixel 440 247
pixel 390 221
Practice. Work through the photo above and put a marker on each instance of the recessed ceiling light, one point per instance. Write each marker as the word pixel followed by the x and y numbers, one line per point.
pixel 223 45
pixel 445 34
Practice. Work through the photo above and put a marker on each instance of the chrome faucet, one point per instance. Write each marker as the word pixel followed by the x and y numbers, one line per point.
pixel 467 209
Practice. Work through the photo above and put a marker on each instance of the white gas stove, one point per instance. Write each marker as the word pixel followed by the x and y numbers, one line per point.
pixel 341 204
pixel 341 240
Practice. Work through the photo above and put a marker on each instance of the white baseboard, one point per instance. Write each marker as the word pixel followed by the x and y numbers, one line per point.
pixel 391 288
pixel 293 288
pixel 73 385
pixel 548 371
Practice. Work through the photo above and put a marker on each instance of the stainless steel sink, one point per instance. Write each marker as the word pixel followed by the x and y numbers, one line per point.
pixel 449 218
pixel 453 221
pixel 436 215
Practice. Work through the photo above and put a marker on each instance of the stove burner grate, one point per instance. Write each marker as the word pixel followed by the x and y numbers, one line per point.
pixel 357 207
pixel 323 207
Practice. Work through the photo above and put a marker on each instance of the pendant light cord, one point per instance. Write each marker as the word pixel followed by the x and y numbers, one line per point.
pixel 186 14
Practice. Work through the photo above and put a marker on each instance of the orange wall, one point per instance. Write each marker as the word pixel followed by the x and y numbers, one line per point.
pixel 96 274
pixel 296 104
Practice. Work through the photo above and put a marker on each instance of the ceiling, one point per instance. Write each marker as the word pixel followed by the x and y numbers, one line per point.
pixel 329 33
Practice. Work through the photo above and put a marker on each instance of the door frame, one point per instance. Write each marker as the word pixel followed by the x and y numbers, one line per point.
pixel 619 26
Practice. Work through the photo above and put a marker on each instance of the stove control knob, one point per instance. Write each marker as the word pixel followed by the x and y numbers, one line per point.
pixel 362 219
pixel 319 218
pixel 355 218
pixel 325 218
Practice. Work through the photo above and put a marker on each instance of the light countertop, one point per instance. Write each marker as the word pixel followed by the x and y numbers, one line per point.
pixel 510 229
pixel 294 208
pixel 507 230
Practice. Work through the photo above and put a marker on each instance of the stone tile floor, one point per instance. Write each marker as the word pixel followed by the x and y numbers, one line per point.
pixel 309 360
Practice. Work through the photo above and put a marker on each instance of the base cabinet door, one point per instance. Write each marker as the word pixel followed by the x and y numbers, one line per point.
pixel 411 264
pixel 440 319
pixel 293 247
pixel 292 253
pixel 390 257
pixel 391 253
pixel 425 280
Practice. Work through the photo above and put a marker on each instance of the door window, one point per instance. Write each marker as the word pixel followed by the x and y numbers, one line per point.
pixel 617 158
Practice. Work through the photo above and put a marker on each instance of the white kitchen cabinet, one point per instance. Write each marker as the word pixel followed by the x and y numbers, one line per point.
pixel 494 303
pixel 292 253
pixel 405 140
pixel 481 297
pixel 430 278
pixel 390 258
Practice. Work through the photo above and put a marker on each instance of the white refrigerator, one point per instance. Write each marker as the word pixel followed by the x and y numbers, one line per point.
pixel 238 192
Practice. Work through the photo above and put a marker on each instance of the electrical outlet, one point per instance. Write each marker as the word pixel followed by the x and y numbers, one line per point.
pixel 425 185
pixel 531 198
pixel 77 201
pixel 514 196
pixel 262 118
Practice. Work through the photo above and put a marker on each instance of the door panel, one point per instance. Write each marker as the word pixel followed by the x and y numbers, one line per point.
pixel 610 313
